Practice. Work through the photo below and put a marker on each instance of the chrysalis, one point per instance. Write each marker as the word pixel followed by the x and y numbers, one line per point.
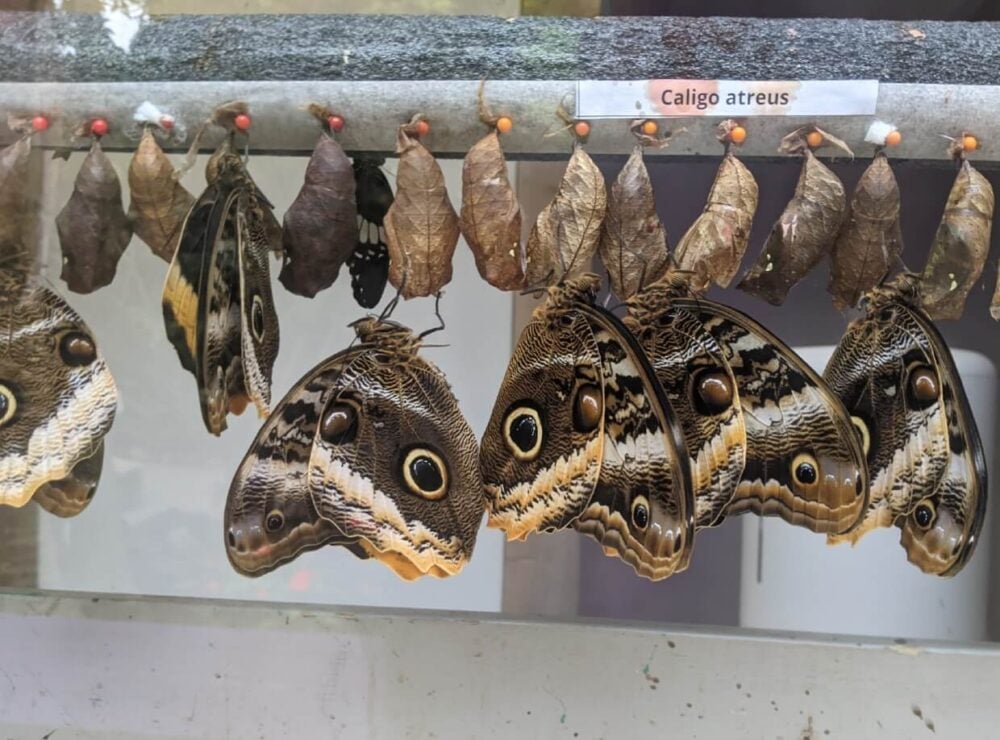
pixel 369 263
pixel 421 227
pixel 870 242
pixel 16 213
pixel 567 231
pixel 159 202
pixel 713 247
pixel 633 244
pixel 491 215
pixel 807 227
pixel 961 244
pixel 319 226
pixel 93 228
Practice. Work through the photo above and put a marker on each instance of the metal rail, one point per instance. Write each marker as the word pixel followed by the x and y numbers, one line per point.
pixel 373 109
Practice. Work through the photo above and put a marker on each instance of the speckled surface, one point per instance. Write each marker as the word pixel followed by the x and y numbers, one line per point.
pixel 70 47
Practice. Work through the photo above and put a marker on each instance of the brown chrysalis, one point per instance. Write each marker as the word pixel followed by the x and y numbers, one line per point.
pixel 491 215
pixel 421 227
pixel 961 244
pixel 93 228
pixel 320 226
pixel 16 213
pixel 869 243
pixel 807 227
pixel 633 244
pixel 159 202
pixel 713 247
pixel 567 231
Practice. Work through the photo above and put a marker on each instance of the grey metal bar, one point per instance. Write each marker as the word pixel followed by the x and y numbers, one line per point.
pixel 373 109
pixel 38 47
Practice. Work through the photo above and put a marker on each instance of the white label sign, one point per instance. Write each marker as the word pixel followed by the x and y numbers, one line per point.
pixel 729 98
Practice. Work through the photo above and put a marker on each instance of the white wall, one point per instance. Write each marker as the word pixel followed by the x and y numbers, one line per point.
pixel 155 526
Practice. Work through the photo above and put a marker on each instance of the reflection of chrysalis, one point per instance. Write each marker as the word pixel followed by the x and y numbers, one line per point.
pixel 369 263
pixel 713 247
pixel 16 213
pixel 159 202
pixel 805 232
pixel 567 231
pixel 961 245
pixel 421 227
pixel 319 227
pixel 870 242
pixel 93 228
pixel 633 242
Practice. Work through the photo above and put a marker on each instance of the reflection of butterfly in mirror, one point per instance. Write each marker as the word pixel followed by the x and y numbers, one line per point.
pixel 217 302
pixel 57 399
pixel 368 450
pixel 369 264
pixel 804 461
pixel 581 435
pixel 897 378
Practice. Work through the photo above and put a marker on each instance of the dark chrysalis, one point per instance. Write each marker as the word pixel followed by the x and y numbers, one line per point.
pixel 369 264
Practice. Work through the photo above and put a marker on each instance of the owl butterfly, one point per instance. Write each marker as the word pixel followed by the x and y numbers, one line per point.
pixel 368 450
pixel 581 435
pixel 804 461
pixel 217 303
pixel 57 399
pixel 897 378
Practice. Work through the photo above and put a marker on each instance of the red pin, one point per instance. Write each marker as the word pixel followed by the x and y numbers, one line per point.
pixel 242 122
pixel 99 127
pixel 39 123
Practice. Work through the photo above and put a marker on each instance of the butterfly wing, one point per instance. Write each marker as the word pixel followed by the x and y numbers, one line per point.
pixel 642 510
pixel 886 373
pixel 270 518
pixel 57 396
pixel 259 321
pixel 804 460
pixel 701 389
pixel 394 462
pixel 942 530
pixel 542 449
pixel 219 343
pixel 71 495
pixel 180 292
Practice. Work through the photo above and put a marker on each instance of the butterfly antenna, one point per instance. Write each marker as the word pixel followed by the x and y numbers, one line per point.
pixel 437 312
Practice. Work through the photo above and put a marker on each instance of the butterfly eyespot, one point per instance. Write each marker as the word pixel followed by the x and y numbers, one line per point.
pixel 922 386
pixel 425 473
pixel 523 433
pixel 8 404
pixel 588 406
pixel 640 512
pixel 77 349
pixel 274 521
pixel 339 424
pixel 863 434
pixel 924 515
pixel 713 391
pixel 257 318
pixel 805 470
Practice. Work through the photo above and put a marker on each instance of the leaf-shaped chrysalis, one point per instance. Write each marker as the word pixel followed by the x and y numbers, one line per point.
pixel 159 202
pixel 93 228
pixel 870 241
pixel 320 226
pixel 421 226
pixel 567 231
pixel 633 244
pixel 960 247
pixel 805 231
pixel 491 216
